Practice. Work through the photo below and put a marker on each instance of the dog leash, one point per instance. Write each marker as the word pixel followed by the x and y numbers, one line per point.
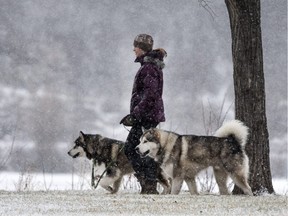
pixel 108 166
pixel 126 128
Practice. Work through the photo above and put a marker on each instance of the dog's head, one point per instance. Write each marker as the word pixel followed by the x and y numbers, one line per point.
pixel 87 145
pixel 149 143
pixel 80 147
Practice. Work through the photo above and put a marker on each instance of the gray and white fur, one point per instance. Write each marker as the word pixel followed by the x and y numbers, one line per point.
pixel 182 157
pixel 109 155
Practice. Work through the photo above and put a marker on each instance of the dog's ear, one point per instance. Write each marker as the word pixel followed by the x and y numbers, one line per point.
pixel 143 130
pixel 155 133
pixel 152 131
pixel 81 135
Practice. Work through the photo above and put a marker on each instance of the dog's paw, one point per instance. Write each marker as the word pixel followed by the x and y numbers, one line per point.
pixel 166 190
pixel 108 188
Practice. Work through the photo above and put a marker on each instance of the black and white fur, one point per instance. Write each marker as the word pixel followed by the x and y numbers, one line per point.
pixel 108 154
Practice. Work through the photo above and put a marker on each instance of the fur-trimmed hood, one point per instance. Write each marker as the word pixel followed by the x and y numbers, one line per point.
pixel 148 59
pixel 155 57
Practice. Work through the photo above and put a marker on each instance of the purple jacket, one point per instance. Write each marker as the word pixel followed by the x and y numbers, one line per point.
pixel 146 102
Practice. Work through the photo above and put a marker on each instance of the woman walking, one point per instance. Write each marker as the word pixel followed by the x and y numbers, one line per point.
pixel 146 108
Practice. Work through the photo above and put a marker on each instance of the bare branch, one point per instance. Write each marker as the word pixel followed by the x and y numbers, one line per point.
pixel 6 159
pixel 205 5
pixel 212 118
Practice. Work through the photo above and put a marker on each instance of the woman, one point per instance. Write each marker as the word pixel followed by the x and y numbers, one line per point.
pixel 146 108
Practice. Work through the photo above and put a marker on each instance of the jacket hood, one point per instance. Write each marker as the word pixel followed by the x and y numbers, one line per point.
pixel 155 57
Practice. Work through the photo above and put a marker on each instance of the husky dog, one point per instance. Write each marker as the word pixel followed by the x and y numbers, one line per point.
pixel 109 156
pixel 183 156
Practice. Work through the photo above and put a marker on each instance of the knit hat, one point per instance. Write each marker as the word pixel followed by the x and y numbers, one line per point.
pixel 144 42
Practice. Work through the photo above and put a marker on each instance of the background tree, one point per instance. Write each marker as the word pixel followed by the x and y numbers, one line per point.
pixel 249 86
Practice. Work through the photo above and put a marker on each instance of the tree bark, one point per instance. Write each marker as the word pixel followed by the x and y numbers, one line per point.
pixel 249 87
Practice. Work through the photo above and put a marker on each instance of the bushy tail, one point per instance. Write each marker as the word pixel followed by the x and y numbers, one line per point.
pixel 234 128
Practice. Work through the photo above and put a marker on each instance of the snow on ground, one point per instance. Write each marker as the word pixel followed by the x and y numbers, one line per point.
pixel 125 203
pixel 39 194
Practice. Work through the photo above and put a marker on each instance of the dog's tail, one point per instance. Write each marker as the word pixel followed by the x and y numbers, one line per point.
pixel 236 129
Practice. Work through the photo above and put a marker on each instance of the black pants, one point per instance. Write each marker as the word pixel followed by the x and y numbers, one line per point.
pixel 145 167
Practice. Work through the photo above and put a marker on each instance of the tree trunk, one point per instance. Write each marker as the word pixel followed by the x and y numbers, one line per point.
pixel 249 89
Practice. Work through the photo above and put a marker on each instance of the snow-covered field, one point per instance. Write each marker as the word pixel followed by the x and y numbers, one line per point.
pixel 125 203
pixel 62 194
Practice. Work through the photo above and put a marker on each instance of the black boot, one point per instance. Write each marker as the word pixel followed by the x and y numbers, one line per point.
pixel 147 186
pixel 150 187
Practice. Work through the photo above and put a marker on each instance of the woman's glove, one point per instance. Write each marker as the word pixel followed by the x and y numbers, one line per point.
pixel 128 120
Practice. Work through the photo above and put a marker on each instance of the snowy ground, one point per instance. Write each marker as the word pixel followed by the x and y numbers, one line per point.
pixel 38 194
pixel 125 203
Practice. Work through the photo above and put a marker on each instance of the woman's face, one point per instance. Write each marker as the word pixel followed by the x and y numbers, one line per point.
pixel 138 52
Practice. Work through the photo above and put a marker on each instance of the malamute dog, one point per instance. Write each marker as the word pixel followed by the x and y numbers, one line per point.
pixel 108 154
pixel 183 156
